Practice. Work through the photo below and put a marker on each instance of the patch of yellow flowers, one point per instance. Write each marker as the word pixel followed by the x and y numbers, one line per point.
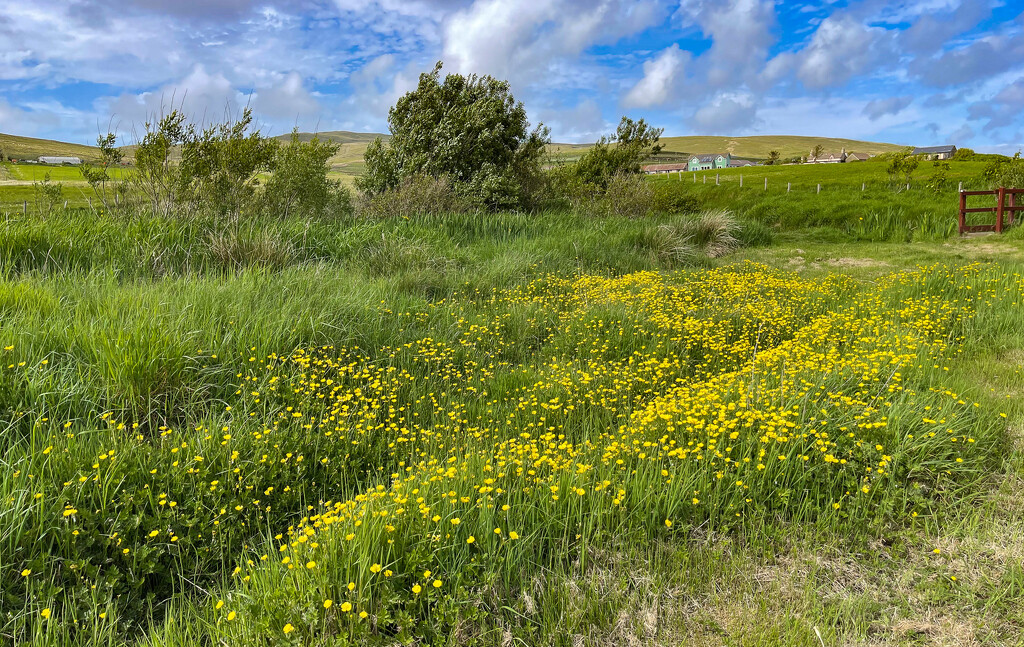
pixel 573 410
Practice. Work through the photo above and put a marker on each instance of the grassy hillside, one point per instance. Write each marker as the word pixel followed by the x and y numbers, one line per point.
pixel 755 148
pixel 759 146
pixel 17 147
pixel 336 136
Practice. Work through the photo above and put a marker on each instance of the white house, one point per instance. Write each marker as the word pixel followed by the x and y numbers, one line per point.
pixel 74 161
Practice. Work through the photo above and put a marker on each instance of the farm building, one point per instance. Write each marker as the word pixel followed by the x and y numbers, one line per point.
pixel 857 157
pixel 827 158
pixel 936 152
pixel 74 161
pixel 741 163
pixel 708 162
pixel 655 169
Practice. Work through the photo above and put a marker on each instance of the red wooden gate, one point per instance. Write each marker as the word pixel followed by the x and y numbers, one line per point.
pixel 1006 205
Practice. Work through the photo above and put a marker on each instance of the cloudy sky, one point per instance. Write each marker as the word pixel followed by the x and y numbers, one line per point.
pixel 914 71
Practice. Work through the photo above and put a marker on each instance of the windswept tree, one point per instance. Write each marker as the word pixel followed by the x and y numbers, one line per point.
pixel 774 158
pixel 467 129
pixel 622 154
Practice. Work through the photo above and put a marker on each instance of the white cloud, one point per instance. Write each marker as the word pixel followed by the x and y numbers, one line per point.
pixel 662 76
pixel 578 124
pixel 726 114
pixel 877 108
pixel 841 48
pixel 523 41
pixel 290 98
pixel 741 32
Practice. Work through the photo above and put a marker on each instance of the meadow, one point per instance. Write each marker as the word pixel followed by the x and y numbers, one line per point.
pixel 511 429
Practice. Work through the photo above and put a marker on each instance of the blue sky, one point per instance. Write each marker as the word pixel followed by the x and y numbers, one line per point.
pixel 914 72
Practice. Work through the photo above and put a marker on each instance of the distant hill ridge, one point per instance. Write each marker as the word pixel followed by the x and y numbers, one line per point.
pixel 353 143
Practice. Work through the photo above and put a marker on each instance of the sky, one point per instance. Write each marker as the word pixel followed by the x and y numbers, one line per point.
pixel 916 72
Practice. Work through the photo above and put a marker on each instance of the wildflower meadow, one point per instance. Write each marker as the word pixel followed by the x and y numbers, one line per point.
pixel 445 481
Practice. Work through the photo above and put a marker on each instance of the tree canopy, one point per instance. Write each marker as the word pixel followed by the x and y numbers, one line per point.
pixel 468 129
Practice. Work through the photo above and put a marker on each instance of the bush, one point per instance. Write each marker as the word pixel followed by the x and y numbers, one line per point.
pixel 299 183
pixel 672 197
pixel 468 129
pixel 628 196
pixel 1007 172
pixel 414 196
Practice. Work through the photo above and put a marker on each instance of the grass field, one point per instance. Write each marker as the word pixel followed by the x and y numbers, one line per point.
pixel 18 147
pixel 512 429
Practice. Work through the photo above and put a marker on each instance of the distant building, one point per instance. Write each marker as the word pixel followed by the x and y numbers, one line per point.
pixel 936 152
pixel 74 161
pixel 656 169
pixel 741 163
pixel 827 158
pixel 857 157
pixel 709 162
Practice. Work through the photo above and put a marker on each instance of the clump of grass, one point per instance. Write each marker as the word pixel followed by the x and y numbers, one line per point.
pixel 237 249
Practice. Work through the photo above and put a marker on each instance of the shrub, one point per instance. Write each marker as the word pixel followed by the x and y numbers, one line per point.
pixel 672 197
pixel 299 183
pixel 469 129
pixel 633 142
pixel 415 195
pixel 1007 172
pixel 628 196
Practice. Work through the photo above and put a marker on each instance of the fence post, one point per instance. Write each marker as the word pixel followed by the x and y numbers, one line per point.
pixel 24 208
pixel 789 186
pixel 862 185
pixel 908 186
pixel 963 212
pixel 716 179
pixel 65 204
pixel 999 210
pixel 705 179
pixel 960 189
pixel 695 178
pixel 741 180
pixel 819 187
pixel 766 184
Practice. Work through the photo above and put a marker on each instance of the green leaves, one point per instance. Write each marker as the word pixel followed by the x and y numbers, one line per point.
pixel 467 128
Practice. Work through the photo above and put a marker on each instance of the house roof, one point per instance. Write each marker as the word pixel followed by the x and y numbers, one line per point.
pixel 708 158
pixel 741 163
pixel 859 156
pixel 925 150
pixel 678 166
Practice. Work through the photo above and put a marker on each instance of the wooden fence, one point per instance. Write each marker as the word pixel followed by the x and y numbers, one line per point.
pixel 1006 207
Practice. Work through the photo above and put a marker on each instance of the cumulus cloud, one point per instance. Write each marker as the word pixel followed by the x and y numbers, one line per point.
pixel 289 98
pixel 726 114
pixel 662 77
pixel 975 61
pixel 583 122
pixel 523 41
pixel 741 32
pixel 930 32
pixel 1001 110
pixel 841 48
pixel 877 108
pixel 202 96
